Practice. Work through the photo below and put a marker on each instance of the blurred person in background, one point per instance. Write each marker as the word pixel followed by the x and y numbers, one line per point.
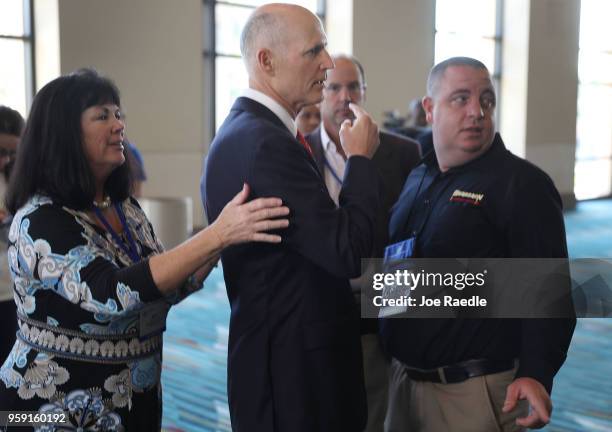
pixel 11 127
pixel 395 157
pixel 308 119
pixel 139 175
pixel 416 115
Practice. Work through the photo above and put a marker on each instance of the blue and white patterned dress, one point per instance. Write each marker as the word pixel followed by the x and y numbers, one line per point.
pixel 81 300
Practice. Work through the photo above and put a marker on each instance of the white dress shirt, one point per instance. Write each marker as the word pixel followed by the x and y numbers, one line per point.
pixel 334 166
pixel 273 106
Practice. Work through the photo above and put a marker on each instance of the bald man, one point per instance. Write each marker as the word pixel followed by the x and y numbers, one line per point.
pixel 395 157
pixel 294 349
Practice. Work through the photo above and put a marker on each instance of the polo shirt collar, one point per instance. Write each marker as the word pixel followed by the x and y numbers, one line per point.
pixel 497 148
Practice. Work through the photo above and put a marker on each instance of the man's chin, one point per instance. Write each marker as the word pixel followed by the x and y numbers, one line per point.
pixel 475 146
pixel 313 99
pixel 342 118
pixel 315 95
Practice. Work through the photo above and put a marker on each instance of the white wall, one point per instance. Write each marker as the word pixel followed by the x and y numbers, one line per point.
pixel 394 40
pixel 553 90
pixel 540 85
pixel 339 26
pixel 152 49
pixel 47 52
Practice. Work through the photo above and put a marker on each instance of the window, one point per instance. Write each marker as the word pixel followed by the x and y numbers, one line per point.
pixel 593 171
pixel 16 40
pixel 470 28
pixel 226 74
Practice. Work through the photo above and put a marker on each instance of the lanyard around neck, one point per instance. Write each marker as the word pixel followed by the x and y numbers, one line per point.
pixel 331 170
pixel 130 249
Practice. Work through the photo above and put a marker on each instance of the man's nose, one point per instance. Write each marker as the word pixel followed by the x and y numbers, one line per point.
pixel 345 94
pixel 328 63
pixel 475 109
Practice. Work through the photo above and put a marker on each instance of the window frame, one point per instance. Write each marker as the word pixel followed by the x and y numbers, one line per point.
pixel 211 55
pixel 584 84
pixel 28 38
pixel 496 74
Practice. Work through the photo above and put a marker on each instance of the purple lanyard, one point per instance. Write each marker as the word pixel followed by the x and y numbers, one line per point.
pixel 130 249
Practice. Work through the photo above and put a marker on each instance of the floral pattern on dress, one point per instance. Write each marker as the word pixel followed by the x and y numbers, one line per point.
pixel 85 410
pixel 138 224
pixel 120 386
pixel 62 274
pixel 117 323
pixel 145 373
pixel 42 378
pixel 62 268
pixel 17 357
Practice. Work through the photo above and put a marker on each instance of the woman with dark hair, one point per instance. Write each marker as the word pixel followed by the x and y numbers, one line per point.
pixel 11 126
pixel 91 281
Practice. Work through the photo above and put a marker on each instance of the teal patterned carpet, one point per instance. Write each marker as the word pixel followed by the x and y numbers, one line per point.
pixel 195 349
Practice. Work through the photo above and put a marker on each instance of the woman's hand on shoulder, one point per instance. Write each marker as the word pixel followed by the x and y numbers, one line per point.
pixel 242 221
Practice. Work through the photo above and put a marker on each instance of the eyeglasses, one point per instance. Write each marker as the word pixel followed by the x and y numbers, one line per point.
pixel 353 88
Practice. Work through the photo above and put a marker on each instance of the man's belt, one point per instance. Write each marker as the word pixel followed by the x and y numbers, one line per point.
pixel 459 372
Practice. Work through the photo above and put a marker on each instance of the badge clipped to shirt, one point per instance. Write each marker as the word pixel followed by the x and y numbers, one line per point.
pixel 401 250
pixel 395 256
pixel 153 319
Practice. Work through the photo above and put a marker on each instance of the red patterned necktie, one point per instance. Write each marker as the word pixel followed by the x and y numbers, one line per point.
pixel 303 141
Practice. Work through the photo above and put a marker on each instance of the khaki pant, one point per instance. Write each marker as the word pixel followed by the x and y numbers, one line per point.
pixel 376 375
pixel 473 405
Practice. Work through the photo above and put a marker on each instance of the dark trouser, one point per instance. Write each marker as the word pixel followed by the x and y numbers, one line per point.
pixel 8 328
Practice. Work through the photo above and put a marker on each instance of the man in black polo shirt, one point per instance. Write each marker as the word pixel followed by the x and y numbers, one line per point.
pixel 473 198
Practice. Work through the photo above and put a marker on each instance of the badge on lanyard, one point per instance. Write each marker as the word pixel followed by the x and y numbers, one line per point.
pixel 401 250
pixel 395 259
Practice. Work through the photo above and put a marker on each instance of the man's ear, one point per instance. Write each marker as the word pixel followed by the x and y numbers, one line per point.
pixel 427 102
pixel 265 61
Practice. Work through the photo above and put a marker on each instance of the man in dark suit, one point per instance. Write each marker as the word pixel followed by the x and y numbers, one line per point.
pixel 394 159
pixel 294 350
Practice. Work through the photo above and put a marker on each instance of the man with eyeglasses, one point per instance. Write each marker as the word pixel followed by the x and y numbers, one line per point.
pixel 394 159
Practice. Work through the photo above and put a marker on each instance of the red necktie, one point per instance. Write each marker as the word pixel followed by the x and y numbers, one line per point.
pixel 303 141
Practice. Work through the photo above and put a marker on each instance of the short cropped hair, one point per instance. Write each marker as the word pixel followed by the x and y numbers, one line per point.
pixel 258 24
pixel 438 70
pixel 356 62
pixel 51 156
pixel 11 122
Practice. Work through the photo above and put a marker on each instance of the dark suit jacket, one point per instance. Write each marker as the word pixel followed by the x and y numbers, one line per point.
pixel 395 158
pixel 294 350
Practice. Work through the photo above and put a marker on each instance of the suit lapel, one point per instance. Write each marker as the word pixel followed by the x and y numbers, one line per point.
pixel 314 139
pixel 259 110
pixel 254 107
pixel 383 153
